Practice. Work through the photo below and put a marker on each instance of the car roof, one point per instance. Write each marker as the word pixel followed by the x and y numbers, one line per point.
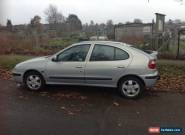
pixel 115 44
pixel 105 43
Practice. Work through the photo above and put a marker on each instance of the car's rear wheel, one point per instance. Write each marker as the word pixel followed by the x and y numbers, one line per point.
pixel 131 87
pixel 34 81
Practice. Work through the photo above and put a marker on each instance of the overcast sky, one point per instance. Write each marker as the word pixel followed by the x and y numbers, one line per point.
pixel 20 11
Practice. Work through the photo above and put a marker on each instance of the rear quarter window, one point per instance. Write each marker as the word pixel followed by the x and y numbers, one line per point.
pixel 120 54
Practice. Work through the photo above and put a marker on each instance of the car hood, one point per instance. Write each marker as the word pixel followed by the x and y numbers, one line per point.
pixel 34 63
pixel 38 59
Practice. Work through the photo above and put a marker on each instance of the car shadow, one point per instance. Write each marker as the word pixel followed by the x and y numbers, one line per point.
pixel 93 92
pixel 81 89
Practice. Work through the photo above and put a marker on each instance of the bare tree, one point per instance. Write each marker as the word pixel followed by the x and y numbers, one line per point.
pixel 170 21
pixel 74 23
pixel 9 25
pixel 110 22
pixel 91 22
pixel 36 30
pixel 36 23
pixel 179 0
pixel 120 23
pixel 110 29
pixel 91 30
pixel 36 20
pixel 177 21
pixel 127 22
pixel 53 16
pixel 137 20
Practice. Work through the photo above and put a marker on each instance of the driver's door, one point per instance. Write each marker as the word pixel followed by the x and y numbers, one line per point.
pixel 69 67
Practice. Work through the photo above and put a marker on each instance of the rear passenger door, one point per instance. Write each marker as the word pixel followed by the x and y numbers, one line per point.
pixel 105 65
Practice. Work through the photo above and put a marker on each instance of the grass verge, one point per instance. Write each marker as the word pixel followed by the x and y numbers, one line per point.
pixel 9 61
pixel 171 67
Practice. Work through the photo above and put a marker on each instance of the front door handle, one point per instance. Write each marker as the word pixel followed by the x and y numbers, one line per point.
pixel 79 67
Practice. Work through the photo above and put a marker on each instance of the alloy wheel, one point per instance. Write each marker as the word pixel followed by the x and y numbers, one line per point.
pixel 130 88
pixel 34 82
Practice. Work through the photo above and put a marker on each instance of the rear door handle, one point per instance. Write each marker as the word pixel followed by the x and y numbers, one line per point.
pixel 79 67
pixel 120 66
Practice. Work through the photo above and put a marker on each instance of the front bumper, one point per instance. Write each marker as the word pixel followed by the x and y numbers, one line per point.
pixel 17 77
pixel 150 79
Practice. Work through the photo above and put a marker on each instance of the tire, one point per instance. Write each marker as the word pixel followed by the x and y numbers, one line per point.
pixel 34 81
pixel 131 87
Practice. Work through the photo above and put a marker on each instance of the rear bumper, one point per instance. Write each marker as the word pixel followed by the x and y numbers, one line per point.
pixel 150 79
pixel 153 77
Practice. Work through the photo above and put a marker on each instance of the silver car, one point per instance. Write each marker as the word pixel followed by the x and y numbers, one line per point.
pixel 92 63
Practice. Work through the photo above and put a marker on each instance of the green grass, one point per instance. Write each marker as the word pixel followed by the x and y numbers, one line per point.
pixel 171 67
pixel 9 61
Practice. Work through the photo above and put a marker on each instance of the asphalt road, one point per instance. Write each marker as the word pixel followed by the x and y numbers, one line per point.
pixel 66 110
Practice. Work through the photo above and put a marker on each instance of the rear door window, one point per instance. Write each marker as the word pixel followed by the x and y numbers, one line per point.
pixel 102 53
pixel 108 53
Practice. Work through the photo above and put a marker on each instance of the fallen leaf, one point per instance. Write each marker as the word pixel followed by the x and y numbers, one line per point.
pixel 83 97
pixel 71 113
pixel 21 97
pixel 63 108
pixel 116 104
pixel 119 124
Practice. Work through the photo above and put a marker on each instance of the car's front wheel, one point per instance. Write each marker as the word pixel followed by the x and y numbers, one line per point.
pixel 131 87
pixel 34 81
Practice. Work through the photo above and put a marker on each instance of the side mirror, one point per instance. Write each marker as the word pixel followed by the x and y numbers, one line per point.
pixel 54 59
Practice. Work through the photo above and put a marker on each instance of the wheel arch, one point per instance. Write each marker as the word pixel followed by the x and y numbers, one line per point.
pixel 33 70
pixel 130 75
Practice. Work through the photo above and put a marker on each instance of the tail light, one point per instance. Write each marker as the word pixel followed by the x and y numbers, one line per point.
pixel 152 64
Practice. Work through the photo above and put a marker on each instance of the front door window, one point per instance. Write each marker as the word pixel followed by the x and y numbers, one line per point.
pixel 74 54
